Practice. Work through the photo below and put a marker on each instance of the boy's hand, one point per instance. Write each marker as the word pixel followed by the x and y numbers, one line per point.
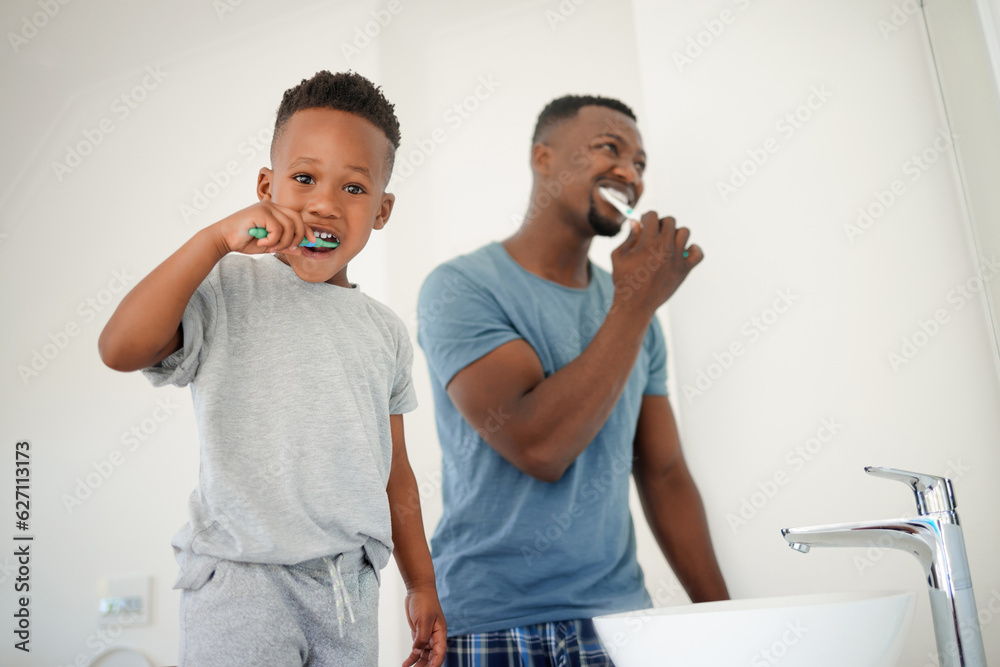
pixel 427 627
pixel 285 229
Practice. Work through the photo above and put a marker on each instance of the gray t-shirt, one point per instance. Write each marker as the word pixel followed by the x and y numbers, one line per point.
pixel 293 384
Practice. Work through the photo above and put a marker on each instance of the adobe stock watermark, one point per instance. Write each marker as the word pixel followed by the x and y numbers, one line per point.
pixel 563 11
pixel 103 639
pixel 590 492
pixel 408 161
pixel 698 44
pixel 796 459
pixel 431 307
pixel 867 559
pixel 580 158
pixel 219 179
pixel 365 35
pixel 751 331
pixel 913 168
pixel 898 17
pixel 33 24
pixel 777 650
pixel 666 592
pixel 121 108
pixel 786 127
pixel 224 7
pixel 132 439
pixel 86 312
pixel 968 631
pixel 928 328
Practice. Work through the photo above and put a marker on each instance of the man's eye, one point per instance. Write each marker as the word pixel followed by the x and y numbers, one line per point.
pixel 611 147
pixel 305 179
pixel 355 189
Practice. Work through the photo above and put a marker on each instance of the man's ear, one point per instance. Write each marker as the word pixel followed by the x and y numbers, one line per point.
pixel 384 210
pixel 264 183
pixel 541 158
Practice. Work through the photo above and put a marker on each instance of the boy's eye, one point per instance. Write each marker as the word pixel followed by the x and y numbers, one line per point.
pixel 354 189
pixel 640 167
pixel 305 179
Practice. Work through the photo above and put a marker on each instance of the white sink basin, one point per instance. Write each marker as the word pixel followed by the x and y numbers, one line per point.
pixel 829 630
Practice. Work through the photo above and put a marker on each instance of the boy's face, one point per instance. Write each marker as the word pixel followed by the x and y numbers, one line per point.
pixel 329 165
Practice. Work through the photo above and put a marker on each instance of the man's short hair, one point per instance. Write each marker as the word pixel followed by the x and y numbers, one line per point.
pixel 569 105
pixel 344 91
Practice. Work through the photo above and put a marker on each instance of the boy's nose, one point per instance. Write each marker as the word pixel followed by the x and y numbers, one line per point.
pixel 325 203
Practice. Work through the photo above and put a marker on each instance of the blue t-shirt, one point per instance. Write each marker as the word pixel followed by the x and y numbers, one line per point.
pixel 511 550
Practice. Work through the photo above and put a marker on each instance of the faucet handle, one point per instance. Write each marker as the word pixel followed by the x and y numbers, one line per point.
pixel 933 494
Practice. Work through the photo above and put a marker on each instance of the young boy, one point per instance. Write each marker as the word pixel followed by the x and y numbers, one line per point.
pixel 299 382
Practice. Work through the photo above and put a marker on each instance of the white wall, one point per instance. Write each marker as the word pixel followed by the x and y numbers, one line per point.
pixel 782 230
pixel 857 297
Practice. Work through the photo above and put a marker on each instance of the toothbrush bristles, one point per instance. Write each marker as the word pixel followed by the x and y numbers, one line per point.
pixel 609 194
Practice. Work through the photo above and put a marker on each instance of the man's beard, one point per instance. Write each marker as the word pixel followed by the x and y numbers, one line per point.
pixel 602 226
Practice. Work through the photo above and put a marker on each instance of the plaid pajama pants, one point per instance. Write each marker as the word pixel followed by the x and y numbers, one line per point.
pixel 554 644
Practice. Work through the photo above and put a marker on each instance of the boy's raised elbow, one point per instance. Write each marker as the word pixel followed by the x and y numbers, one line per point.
pixel 110 355
pixel 114 355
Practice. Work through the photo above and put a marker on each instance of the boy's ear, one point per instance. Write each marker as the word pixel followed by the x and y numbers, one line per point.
pixel 264 183
pixel 384 210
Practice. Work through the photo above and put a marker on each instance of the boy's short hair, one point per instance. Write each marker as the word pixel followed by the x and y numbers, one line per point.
pixel 567 106
pixel 344 91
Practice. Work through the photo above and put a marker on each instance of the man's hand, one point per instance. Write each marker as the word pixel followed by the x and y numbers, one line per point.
pixel 427 627
pixel 650 265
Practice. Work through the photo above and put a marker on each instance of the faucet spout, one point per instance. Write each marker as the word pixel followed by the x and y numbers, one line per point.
pixel 918 536
pixel 935 539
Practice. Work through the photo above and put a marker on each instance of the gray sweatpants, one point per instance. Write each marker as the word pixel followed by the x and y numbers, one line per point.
pixel 253 614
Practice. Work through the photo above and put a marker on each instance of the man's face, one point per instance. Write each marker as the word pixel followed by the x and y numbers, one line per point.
pixel 330 166
pixel 597 147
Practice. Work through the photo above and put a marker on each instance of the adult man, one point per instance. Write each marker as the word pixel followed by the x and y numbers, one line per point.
pixel 549 383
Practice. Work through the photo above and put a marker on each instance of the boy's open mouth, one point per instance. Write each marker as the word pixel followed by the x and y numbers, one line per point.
pixel 327 241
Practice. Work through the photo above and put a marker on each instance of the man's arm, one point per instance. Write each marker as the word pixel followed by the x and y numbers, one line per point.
pixel 672 504
pixel 541 425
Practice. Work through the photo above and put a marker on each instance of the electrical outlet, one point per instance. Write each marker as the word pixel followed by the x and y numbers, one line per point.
pixel 124 600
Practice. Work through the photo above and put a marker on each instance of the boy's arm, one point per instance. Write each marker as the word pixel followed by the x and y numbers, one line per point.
pixel 423 611
pixel 146 326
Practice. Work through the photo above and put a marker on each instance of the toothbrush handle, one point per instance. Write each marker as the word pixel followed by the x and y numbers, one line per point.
pixel 260 232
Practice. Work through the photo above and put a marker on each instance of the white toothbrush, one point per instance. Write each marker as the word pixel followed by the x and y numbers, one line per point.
pixel 618 200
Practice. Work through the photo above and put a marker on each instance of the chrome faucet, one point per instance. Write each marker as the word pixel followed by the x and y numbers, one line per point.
pixel 935 538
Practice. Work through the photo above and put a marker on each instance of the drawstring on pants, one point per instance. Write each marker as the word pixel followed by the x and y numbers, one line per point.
pixel 340 595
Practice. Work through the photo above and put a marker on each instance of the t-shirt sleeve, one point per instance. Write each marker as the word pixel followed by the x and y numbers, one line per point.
pixel 198 328
pixel 458 322
pixel 404 396
pixel 656 385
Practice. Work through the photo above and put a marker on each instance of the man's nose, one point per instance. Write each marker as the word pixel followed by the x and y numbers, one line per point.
pixel 627 171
